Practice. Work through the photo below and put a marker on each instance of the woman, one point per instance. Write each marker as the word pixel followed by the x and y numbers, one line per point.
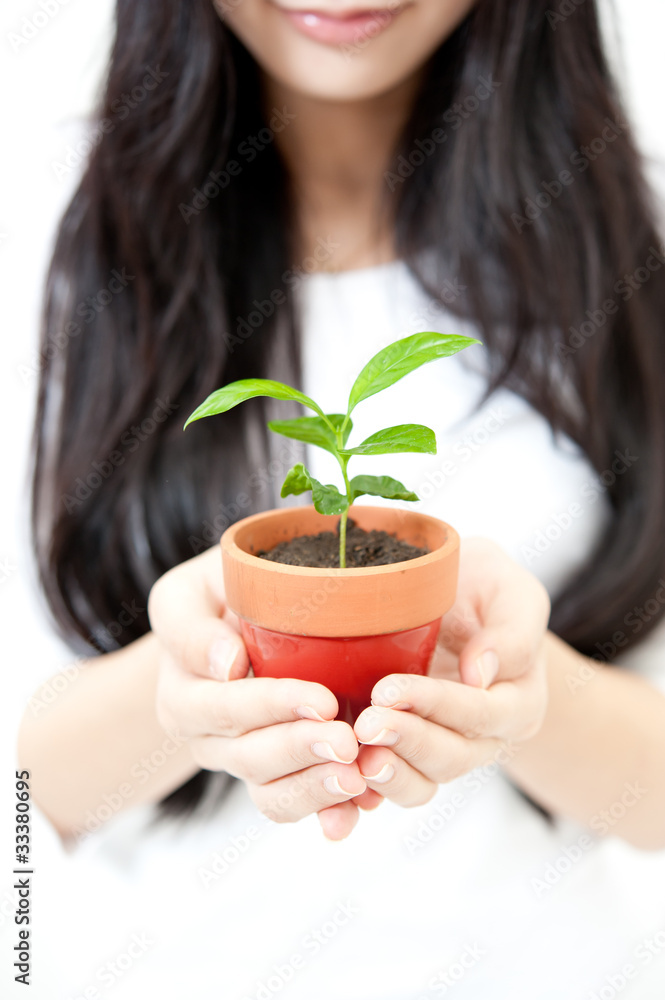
pixel 451 163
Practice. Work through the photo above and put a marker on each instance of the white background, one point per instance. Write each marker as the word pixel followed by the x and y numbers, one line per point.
pixel 47 87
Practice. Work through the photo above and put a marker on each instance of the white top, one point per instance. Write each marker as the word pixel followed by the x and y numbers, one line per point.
pixel 473 895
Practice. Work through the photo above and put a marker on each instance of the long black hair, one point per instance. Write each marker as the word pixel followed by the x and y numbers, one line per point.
pixel 169 258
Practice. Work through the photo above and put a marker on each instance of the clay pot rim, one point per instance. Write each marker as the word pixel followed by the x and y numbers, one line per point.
pixel 230 546
pixel 371 600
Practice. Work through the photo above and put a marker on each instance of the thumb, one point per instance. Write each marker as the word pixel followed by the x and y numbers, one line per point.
pixel 188 613
pixel 507 647
pixel 479 661
pixel 512 609
pixel 227 656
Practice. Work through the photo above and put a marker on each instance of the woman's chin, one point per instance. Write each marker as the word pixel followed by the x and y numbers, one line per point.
pixel 330 57
pixel 361 83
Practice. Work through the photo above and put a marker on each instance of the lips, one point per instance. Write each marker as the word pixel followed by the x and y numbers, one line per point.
pixel 343 27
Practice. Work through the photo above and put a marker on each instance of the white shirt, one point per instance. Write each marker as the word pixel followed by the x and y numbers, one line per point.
pixel 474 895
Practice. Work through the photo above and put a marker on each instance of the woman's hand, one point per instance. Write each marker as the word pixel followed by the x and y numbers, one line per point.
pixel 486 685
pixel 276 734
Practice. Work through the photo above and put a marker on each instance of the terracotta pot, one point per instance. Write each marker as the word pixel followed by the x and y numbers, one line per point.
pixel 345 628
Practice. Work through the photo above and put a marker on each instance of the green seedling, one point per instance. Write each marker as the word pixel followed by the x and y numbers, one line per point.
pixel 331 431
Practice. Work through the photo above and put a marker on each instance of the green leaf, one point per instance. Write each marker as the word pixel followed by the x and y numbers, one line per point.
pixel 326 499
pixel 237 392
pixel 297 481
pixel 392 440
pixel 404 356
pixel 311 430
pixel 380 486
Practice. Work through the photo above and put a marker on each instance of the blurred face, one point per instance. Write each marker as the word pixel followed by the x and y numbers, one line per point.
pixel 342 49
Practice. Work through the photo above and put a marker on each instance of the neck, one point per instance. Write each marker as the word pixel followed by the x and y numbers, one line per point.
pixel 336 154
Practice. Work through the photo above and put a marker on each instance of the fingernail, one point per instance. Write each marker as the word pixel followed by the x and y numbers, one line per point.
pixel 488 667
pixel 385 774
pixel 386 738
pixel 326 752
pixel 401 705
pixel 221 657
pixel 305 712
pixel 332 785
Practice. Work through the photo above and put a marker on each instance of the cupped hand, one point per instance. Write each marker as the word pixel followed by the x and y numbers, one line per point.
pixel 486 689
pixel 277 735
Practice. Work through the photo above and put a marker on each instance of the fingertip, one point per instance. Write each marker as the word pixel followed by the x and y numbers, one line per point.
pixel 369 799
pixel 240 666
pixel 338 821
pixel 469 674
pixel 328 704
pixel 227 658
pixel 480 670
pixel 352 776
pixel 322 713
pixel 392 691
pixel 307 712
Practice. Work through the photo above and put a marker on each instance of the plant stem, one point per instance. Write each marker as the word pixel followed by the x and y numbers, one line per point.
pixel 342 539
pixel 343 462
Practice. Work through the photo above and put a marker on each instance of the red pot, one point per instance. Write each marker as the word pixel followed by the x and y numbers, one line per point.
pixel 345 628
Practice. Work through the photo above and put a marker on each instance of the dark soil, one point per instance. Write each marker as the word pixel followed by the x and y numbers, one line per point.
pixel 363 548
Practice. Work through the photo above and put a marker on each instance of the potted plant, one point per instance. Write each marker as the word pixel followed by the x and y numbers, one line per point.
pixel 326 599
